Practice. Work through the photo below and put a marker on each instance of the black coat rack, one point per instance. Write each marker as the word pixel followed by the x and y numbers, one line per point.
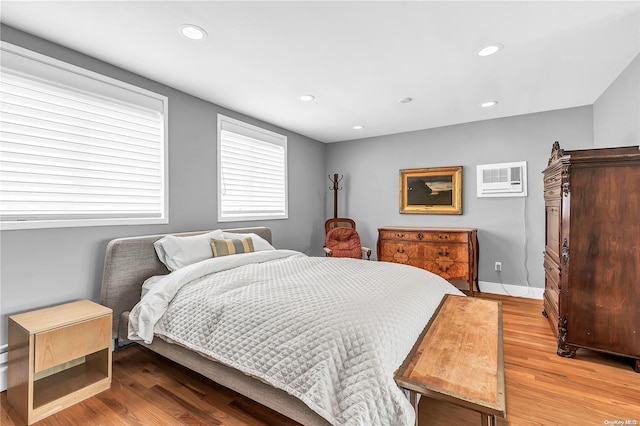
pixel 335 181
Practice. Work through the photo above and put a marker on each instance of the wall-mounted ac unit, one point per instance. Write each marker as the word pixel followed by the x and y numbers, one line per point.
pixel 502 180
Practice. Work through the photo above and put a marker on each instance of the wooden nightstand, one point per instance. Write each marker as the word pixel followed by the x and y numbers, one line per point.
pixel 58 356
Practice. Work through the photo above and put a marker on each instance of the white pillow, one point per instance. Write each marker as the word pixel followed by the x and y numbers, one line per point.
pixel 178 252
pixel 259 243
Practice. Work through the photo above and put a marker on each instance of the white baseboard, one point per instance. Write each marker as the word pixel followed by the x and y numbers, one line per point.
pixel 3 378
pixel 511 290
pixel 4 355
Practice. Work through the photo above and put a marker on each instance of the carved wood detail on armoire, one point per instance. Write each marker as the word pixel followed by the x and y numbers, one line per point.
pixel 592 250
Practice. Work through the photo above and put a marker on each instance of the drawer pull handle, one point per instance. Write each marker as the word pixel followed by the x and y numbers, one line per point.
pixel 399 235
pixel 443 269
pixel 400 250
pixel 443 253
pixel 420 236
pixel 443 237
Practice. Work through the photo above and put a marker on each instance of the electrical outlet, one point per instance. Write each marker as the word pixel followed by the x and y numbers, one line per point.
pixel 498 266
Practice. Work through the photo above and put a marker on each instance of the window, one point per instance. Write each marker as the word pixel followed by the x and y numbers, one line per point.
pixel 252 172
pixel 78 148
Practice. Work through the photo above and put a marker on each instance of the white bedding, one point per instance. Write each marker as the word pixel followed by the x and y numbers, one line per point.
pixel 330 332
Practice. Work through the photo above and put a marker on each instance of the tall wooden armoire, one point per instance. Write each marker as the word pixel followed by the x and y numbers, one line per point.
pixel 592 250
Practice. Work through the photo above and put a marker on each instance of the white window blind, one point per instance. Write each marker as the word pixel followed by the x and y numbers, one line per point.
pixel 77 148
pixel 252 172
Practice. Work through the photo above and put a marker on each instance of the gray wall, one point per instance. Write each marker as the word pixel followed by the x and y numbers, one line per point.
pixel 371 183
pixel 616 113
pixel 44 267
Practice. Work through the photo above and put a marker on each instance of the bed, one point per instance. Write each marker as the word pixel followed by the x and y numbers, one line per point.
pixel 288 374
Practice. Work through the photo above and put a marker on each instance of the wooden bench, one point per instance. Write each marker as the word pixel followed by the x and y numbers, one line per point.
pixel 459 358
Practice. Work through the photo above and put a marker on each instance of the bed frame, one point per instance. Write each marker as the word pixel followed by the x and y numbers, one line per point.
pixel 128 263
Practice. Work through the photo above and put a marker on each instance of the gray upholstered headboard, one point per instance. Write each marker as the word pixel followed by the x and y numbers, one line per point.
pixel 130 261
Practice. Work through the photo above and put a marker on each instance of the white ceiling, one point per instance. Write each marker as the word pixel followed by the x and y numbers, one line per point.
pixel 357 57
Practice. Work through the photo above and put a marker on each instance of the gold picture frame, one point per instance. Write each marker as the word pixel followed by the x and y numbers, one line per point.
pixel 436 190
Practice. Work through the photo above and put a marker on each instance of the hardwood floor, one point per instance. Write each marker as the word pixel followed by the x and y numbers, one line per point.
pixel 545 389
pixel 542 388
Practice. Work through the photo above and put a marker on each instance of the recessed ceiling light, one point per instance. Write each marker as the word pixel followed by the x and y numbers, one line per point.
pixel 307 98
pixel 488 104
pixel 405 100
pixel 192 32
pixel 489 49
pixel 358 127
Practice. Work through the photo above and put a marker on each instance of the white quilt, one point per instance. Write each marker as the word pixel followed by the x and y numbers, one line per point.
pixel 330 332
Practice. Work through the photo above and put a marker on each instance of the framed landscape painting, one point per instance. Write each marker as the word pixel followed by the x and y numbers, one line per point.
pixel 436 190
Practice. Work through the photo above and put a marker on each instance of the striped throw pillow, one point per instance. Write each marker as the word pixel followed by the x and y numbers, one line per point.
pixel 227 247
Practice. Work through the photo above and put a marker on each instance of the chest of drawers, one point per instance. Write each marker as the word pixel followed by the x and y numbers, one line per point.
pixel 591 254
pixel 451 253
